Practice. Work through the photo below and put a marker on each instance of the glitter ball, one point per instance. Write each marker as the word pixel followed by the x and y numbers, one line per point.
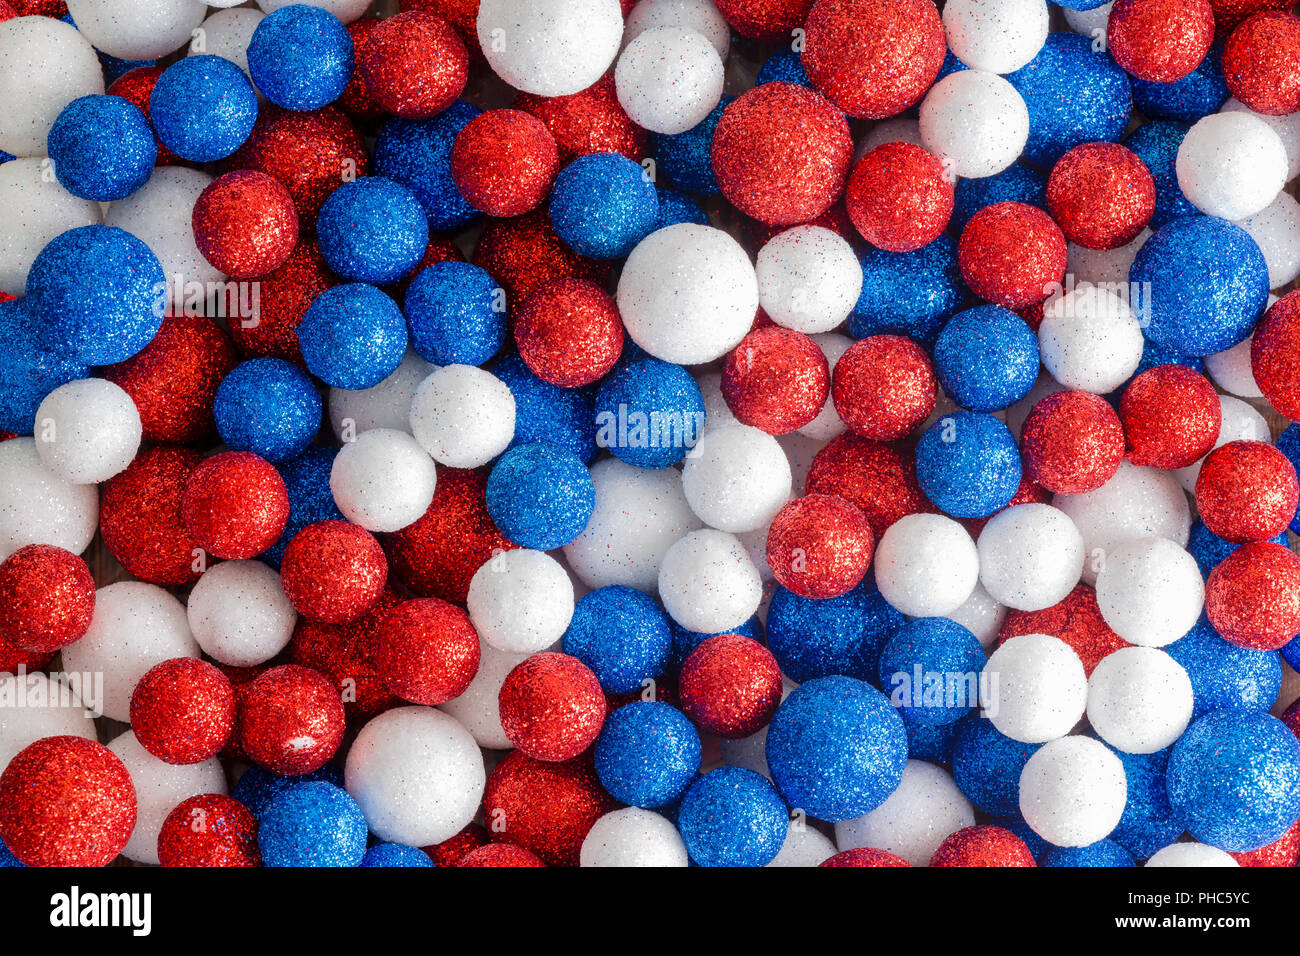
pixel 603 204
pixel 732 817
pixel 333 571
pixel 819 546
pixel 647 754
pixel 102 148
pixel 395 854
pixel 1284 851
pixel 347 655
pixel 1261 62
pixel 1275 355
pixel 209 829
pixel 373 230
pixel 500 854
pixel 525 253
pixel 1209 549
pixel 1171 417
pixel 930 646
pixel 455 314
pixel 235 505
pixel 983 846
pixel 546 412
pixel 1198 94
pixel 899 197
pixel 986 765
pixel 355 100
pixel 768 21
pixel 590 121
pixel 1160 40
pixel 203 108
pixel 813 638
pixel 426 650
pixel 669 78
pixel 986 358
pixel 540 496
pixel 183 711
pixel 1102 853
pixel 569 332
pixel 307 480
pixel 140 517
pixel 776 379
pixel 1246 491
pixel 300 57
pixel 1076 620
pixel 452 851
pixel 730 686
pixel 504 161
pixel 622 635
pixel 135 86
pixel 1156 144
pixel 1012 254
pixel 864 856
pixel 544 807
pixel 552 707
pixel 883 387
pixel 29 368
pixel 1253 597
pixel 1013 184
pixel 417 154
pixel 908 293
pixel 353 336
pixel 414 65
pixel 968 464
pixel 290 720
pixel 783 66
pixel 1223 675
pixel 1101 195
pixel 48 596
pixel 312 824
pixel 645 391
pixel 686 159
pixel 270 329
pixel 1072 442
pixel 877 477
pixel 268 407
pixel 257 788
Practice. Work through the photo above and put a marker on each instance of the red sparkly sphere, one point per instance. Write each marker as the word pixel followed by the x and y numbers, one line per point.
pixel 1229 13
pixel 136 87
pixel 500 854
pixel 427 651
pixel 183 710
pixel 140 517
pixel 345 653
pixel 983 846
pixel 552 707
pixel 1261 62
pixel 461 14
pixel 1072 442
pixel 1252 597
pixel 47 598
pixel 235 505
pixel 879 478
pixel 209 829
pixel 290 720
pixel 282 299
pixel 592 121
pixel 245 224
pixel 1012 254
pixel 1171 416
pixel 504 161
pixel 14 659
pixel 1076 620
pixel 546 807
pixel 776 379
pixel 899 197
pixel 730 686
pixel 1284 851
pixel 414 65
pixel 883 387
pixel 1275 355
pixel 819 546
pixel 66 801
pixel 1247 491
pixel 333 571
pixel 767 21
pixel 569 332
pixel 525 254
pixel 355 100
pixel 864 856
pixel 1160 40
pixel 452 851
pixel 1101 195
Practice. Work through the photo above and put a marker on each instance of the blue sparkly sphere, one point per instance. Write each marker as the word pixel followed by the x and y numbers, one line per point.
pixel 1209 549
pixel 836 748
pixel 932 743
pixel 622 634
pixel 307 479
pixel 540 495
pixel 417 154
pixel 1148 823
pixel 676 208
pixel 732 817
pixel 102 148
pixel 1198 94
pixel 203 108
pixel 647 754
pixel 1101 853
pixel 1235 778
pixel 372 230
pixel 783 66
pixel 1153 355
pixel 1079 4
pixel 602 205
pixel 300 57
pixel 812 637
pixel 257 788
pixel 968 464
pixel 686 159
pixel 1223 675
pixel 908 293
pixel 352 335
pixel 1201 285
pixel 29 368
pixel 267 406
pixel 986 358
pixel 684 641
pixel 312 824
pixel 1014 184
pixel 395 854
pixel 986 765
pixel 1288 443
pixel 99 293
pixel 649 413
pixel 565 417
pixel 1038 847
pixel 457 314
pixel 930 669
pixel 1156 144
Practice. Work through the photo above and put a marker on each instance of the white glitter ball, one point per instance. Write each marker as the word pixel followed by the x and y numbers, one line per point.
pixel 87 431
pixel 383 480
pixel 463 416
pixel 34 209
pixel 737 478
pixel 477 708
pixel 1231 165
pixel 1191 854
pixel 239 614
pixel 386 405
pixel 1150 591
pixel 35 707
pixel 981 615
pixel 809 279
pixel 669 79
pixel 997 36
pixel 137 29
pixel 803 847
pixel 708 583
pixel 976 123
pixel 925 810
pixel 1072 791
pixel 1287 129
pixel 1033 688
pixel 1031 556
pixel 926 565
pixel 702 16
pixel 550 47
pixel 45 64
pixel 521 601
pixel 1276 230
pixel 1239 422
pixel 36 507
pixel 633 837
pixel 227 34
pixel 1231 370
pixel 1139 700
pixel 1090 339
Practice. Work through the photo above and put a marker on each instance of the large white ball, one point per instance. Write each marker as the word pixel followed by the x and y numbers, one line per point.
pixel 227 34
pixel 550 47
pixel 981 615
pixel 521 601
pixel 1191 854
pixel 34 706
pixel 345 10
pixel 87 431
pixel 976 123
pixel 38 507
pixel 828 423
pixel 997 36
pixel 1139 699
pixel 386 405
pixel 669 79
pixel 1031 556
pixel 1231 165
pixel 383 480
pixel 477 708
pixel 809 279
pixel 463 416
pixel 633 837
pixel 1035 688
pixel 708 583
pixel 803 847
pixel 926 808
pixel 926 565
pixel 1090 339
pixel 1276 230
pixel 1073 791
pixel 737 478
pixel 702 16
pixel 239 613
pixel 1231 370
pixel 137 29
pixel 34 208
pixel 1150 591
pixel 1287 129
pixel 45 64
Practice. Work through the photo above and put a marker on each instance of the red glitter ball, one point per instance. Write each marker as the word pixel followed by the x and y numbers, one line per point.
pixel 1012 254
pixel 282 299
pixel 290 720
pixel 767 21
pixel 1284 851
pixel 1261 62
pixel 983 846
pixel 1076 620
pixel 873 58
pixel 543 806
pixel 7 12
pixel 781 153
pixel 1101 195
pixel 14 659
pixel 40 8
pixel 730 686
pixel 210 829
pixel 136 86
pixel 879 478
pixel 864 856
pixel 504 161
pixel 235 505
pixel 1253 597
pixel 776 379
pixel 245 224
pixel 427 651
pixel 569 332
pixel 819 546
pixel 345 653
pixel 47 598
pixel 414 65
pixel 500 854
pixel 183 710
pixel 899 197
pixel 1275 355
pixel 1072 442
pixel 552 707
pixel 1171 416
pixel 66 801
pixel 461 14
pixel 1247 491
pixel 333 571
pixel 355 100
pixel 591 121
pixel 883 387
pixel 524 254
pixel 140 517
pixel 1160 40
pixel 450 852
pixel 1229 13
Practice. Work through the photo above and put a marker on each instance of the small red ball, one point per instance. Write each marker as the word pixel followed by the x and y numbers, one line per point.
pixel 768 21
pixel 864 856
pixel 1171 416
pixel 282 299
pixel 333 571
pixel 290 720
pixel 504 161
pixel 245 224
pixel 1160 40
pixel 209 829
pixel 819 546
pixel 1247 491
pixel 1012 254
pixel 552 707
pixel 345 653
pixel 235 505
pixel 899 197
pixel 452 851
pixel 983 846
pixel 776 379
pixel 545 807
pixel 883 387
pixel 1076 620
pixel 140 517
pixel 14 659
pixel 1252 597
pixel 569 332
pixel 1275 355
pixel 1101 195
pixel 525 254
pixel 414 65
pixel 730 686
pixel 1284 851
pixel 427 651
pixel 500 854
pixel 1229 13
pixel 879 478
pixel 1072 442
pixel 591 121
pixel 183 710
pixel 47 598
pixel 1261 62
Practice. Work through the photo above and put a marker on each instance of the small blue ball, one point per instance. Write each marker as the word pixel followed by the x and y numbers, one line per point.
pixel 1198 94
pixel 677 207
pixel 649 413
pixel 565 417
pixel 1223 675
pixel 307 479
pixel 622 634
pixel 417 154
pixel 1148 823
pixel 686 159
pixel 257 788
pixel 1209 549
pixel 457 314
pixel 684 641
pixel 267 406
pixel 1288 443
pixel 986 766
pixel 372 230
pixel 783 66
pixel 115 69
pixel 312 824
pixel 1014 184
pixel 602 205
pixel 647 754
pixel 1156 144
pixel 947 659
pixel 908 293
pixel 29 368
pixel 841 635
pixel 1101 853
pixel 968 464
pixel 986 358
pixel 352 335
pixel 300 57
pixel 203 108
pixel 395 854
pixel 540 495
pixel 932 743
pixel 732 817
pixel 102 148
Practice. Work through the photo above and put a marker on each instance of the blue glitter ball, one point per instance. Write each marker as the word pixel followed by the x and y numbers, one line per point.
pixel 1209 549
pixel 836 748
pixel 647 754
pixel 417 154
pixel 783 66
pixel 300 57
pixel 29 368
pixel 102 148
pixel 312 824
pixel 267 406
pixel 1288 443
pixel 968 464
pixel 114 68
pixel 1074 95
pixel 1223 675
pixel 622 634
pixel 1156 144
pixel 1148 823
pixel 986 358
pixel 352 335
pixel 932 743
pixel 99 293
pixel 1038 847
pixel 602 205
pixel 203 108
pixel 565 417
pixel 372 230
pixel 649 413
pixel 307 479
pixel 1014 184
pixel 1101 853
pixel 1153 355
pixel 540 495
pixel 841 635
pixel 986 766
pixel 1198 94
pixel 684 641
pixel 732 817
pixel 686 159
pixel 676 208
pixel 257 787
pixel 395 854
pixel 908 293
pixel 1201 283
pixel 457 314
pixel 930 669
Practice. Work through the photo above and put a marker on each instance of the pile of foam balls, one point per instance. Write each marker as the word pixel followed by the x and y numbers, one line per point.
pixel 612 433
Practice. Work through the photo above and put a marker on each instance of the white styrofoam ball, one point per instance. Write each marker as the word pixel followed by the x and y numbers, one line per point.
pixel 809 279
pixel 416 774
pixel 997 36
pixel 45 64
pixel 976 123
pixel 1035 687
pixel 748 752
pixel 737 478
pixel 926 565
pixel 1276 230
pixel 477 708
pixel 463 416
pixel 669 79
pixel 896 129
pixel 34 208
pixel 1139 700
pixel 1191 854
pixel 520 601
pixel 828 423
pixel 1090 339
pixel 981 615
pixel 708 583
pixel 87 431
pixel 1017 413
pixel 1287 129
pixel 386 405
pixel 1231 165
pixel 345 10
pixel 803 847
pixel 37 507
pixel 1073 791
pixel 1239 422
pixel 383 480
pixel 48 708
pixel 1090 23
pixel 550 47
pixel 137 29
pixel 239 613
pixel 1104 267
pixel 1150 591
pixel 1232 372
pixel 925 810
pixel 633 837
pixel 716 412
pixel 227 34
pixel 702 16
pixel 1031 556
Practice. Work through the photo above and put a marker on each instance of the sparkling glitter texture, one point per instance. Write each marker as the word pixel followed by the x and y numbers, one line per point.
pixel 983 846
pixel 865 856
pixel 1012 254
pixel 569 332
pixel 899 197
pixel 1160 40
pixel 1076 620
pixel 235 505
pixel 1101 195
pixel 48 597
pixel 333 571
pixel 1171 417
pixel 209 830
pixel 1261 62
pixel 776 379
pixel 591 121
pixel 504 161
pixel 140 517
pixel 732 817
pixel 427 651
pixel 524 254
pixel 552 707
pixel 1253 597
pixel 1246 491
pixel 544 807
pixel 819 546
pixel 183 711
pixel 1275 355
pixel 414 65
pixel 730 686
pixel 283 299
pixel 290 720
pixel 879 478
pixel 883 387
pixel 346 654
